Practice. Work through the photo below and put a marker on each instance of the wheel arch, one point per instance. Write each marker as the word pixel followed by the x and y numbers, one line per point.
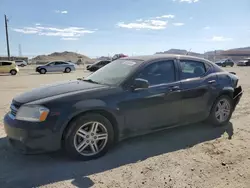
pixel 103 112
pixel 229 91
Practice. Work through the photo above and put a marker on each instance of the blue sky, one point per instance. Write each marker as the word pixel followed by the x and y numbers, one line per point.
pixel 133 27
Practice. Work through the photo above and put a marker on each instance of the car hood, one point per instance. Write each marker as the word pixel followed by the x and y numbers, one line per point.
pixel 56 89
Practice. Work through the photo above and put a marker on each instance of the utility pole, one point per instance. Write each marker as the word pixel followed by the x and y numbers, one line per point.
pixel 20 50
pixel 7 36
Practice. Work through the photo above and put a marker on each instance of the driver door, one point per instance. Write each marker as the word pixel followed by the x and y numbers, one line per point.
pixel 157 106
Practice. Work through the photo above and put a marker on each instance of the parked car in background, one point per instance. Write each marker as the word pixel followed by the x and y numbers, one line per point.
pixel 8 67
pixel 128 97
pixel 225 63
pixel 56 66
pixel 21 63
pixel 97 65
pixel 118 56
pixel 245 62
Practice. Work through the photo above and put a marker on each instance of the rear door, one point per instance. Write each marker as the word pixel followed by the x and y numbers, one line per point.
pixel 6 67
pixel 198 89
pixel 1 68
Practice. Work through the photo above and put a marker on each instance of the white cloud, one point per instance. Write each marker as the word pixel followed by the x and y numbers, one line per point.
pixel 27 30
pixel 69 38
pixel 187 1
pixel 37 24
pixel 165 16
pixel 139 20
pixel 70 32
pixel 178 24
pixel 144 24
pixel 207 27
pixel 61 11
pixel 220 39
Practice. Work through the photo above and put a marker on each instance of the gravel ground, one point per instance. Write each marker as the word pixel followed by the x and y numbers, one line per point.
pixel 197 155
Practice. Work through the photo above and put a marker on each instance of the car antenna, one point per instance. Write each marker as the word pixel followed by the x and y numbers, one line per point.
pixel 188 51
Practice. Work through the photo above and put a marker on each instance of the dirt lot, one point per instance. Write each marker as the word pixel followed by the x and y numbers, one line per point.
pixel 192 156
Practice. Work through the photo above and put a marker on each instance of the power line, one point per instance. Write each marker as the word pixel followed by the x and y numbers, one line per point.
pixel 7 36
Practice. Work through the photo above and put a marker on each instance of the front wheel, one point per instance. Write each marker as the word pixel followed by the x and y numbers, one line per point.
pixel 13 72
pixel 43 71
pixel 221 111
pixel 68 70
pixel 89 137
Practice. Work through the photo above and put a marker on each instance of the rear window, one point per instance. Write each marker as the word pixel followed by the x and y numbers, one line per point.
pixel 6 63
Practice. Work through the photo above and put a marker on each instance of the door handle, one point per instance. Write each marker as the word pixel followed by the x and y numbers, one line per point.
pixel 174 88
pixel 212 81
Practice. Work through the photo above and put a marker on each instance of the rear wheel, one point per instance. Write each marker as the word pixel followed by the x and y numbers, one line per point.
pixel 43 71
pixel 13 72
pixel 22 65
pixel 89 137
pixel 221 111
pixel 68 70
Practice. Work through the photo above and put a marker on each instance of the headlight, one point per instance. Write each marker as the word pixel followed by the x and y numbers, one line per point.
pixel 33 113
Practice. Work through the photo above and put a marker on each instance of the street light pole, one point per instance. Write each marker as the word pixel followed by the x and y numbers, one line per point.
pixel 7 36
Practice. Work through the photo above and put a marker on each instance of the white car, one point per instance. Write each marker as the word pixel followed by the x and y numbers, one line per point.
pixel 245 62
pixel 21 63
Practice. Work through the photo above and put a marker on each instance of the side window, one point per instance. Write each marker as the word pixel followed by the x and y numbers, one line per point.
pixel 52 64
pixel 6 64
pixel 58 63
pixel 158 73
pixel 192 69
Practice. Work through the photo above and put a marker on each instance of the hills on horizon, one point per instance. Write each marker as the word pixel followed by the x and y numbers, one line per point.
pixel 183 52
pixel 72 56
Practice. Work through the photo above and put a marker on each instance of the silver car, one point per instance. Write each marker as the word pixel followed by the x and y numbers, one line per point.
pixel 56 66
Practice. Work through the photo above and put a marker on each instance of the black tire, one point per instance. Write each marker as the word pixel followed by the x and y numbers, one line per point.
pixel 212 117
pixel 43 71
pixel 248 64
pixel 67 70
pixel 22 65
pixel 13 72
pixel 75 125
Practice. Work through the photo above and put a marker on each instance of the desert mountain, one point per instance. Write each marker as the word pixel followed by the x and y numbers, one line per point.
pixel 64 56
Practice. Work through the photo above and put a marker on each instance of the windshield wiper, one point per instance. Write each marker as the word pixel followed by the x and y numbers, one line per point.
pixel 91 81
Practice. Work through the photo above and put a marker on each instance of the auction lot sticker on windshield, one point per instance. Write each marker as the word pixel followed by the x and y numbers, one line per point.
pixel 130 63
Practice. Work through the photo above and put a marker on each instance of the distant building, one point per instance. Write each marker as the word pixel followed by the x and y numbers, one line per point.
pixel 14 58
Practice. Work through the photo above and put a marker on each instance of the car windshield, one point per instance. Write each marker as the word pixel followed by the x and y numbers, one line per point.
pixel 115 72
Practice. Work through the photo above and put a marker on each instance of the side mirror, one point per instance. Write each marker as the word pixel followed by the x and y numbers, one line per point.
pixel 140 84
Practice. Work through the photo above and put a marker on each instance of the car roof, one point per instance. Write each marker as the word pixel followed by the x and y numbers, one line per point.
pixel 165 56
pixel 7 61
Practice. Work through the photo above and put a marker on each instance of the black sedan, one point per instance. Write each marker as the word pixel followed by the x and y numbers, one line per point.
pixel 128 97
pixel 97 65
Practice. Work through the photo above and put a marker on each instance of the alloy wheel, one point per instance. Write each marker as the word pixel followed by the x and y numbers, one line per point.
pixel 222 111
pixel 90 138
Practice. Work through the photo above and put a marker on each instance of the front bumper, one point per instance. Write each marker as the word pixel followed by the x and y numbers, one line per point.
pixel 238 92
pixel 30 140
